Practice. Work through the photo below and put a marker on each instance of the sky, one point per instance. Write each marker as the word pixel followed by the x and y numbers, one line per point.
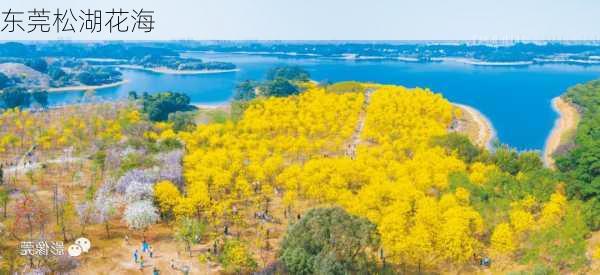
pixel 335 19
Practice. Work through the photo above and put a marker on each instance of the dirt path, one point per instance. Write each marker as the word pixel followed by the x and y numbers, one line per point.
pixel 355 139
pixel 115 256
pixel 25 167
pixel 484 131
pixel 565 124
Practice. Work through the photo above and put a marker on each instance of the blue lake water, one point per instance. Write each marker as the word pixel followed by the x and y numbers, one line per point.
pixel 515 99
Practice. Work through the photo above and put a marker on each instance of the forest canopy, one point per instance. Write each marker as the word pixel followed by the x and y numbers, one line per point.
pixel 581 164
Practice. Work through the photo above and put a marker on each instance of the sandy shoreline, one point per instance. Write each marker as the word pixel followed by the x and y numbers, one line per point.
pixel 210 106
pixel 485 131
pixel 165 70
pixel 565 123
pixel 84 88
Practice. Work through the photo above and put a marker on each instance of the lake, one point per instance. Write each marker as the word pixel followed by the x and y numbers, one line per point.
pixel 515 99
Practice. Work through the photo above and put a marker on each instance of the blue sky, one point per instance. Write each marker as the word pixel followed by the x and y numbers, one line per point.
pixel 342 19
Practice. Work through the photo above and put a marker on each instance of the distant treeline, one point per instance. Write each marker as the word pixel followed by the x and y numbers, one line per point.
pixel 423 51
pixel 116 50
pixel 177 63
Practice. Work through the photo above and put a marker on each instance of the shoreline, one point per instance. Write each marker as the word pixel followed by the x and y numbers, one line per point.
pixel 223 106
pixel 164 70
pixel 477 62
pixel 485 130
pixel 565 123
pixel 84 88
pixel 592 60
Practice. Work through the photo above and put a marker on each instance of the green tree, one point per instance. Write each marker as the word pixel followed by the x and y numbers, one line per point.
pixel 190 231
pixel 238 107
pixel 132 95
pixel 529 161
pixel 182 121
pixel 329 241
pixel 38 64
pixel 506 158
pixel 56 73
pixel 15 97
pixel 159 106
pixel 582 167
pixel 294 73
pixel 245 90
pixel 99 75
pixel 90 192
pixel 562 246
pixel 279 87
pixel 459 143
pixel 591 213
pixel 4 199
pixel 41 97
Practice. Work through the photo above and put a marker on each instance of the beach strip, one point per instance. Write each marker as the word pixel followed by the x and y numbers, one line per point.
pixel 224 105
pixel 165 70
pixel 485 131
pixel 85 88
pixel 565 124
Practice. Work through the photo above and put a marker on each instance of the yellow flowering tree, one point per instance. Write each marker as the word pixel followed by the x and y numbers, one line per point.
pixel 167 195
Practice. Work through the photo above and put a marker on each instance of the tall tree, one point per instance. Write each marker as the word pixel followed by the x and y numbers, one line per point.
pixel 159 106
pixel 15 97
pixel 294 73
pixel 245 90
pixel 4 199
pixel 279 87
pixel 190 231
pixel 329 241
pixel 140 215
pixel 41 97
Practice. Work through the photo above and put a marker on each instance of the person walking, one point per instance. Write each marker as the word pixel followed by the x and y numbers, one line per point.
pixel 141 262
pixel 135 256
pixel 144 246
pixel 150 251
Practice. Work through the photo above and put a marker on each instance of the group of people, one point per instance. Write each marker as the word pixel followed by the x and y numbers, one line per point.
pixel 146 248
pixel 139 259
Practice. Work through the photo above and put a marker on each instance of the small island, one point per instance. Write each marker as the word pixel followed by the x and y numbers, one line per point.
pixel 178 65
pixel 88 87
